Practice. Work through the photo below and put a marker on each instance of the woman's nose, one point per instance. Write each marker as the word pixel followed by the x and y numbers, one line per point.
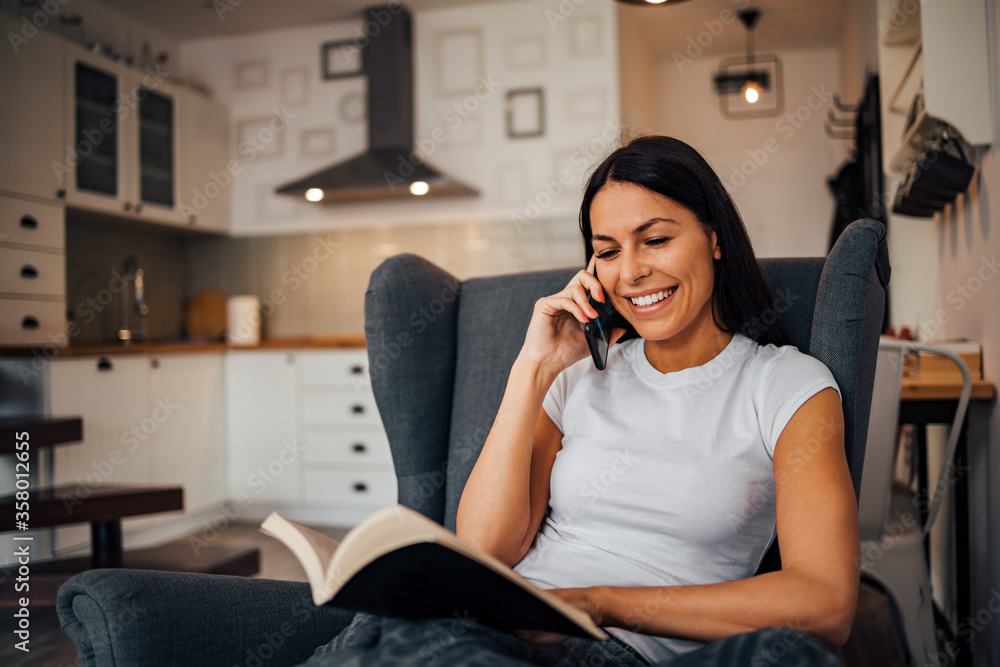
pixel 634 267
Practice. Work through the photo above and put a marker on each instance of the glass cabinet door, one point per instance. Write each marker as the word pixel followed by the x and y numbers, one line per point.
pixel 96 130
pixel 156 148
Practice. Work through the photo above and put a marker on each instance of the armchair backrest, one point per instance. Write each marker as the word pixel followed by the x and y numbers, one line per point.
pixel 440 350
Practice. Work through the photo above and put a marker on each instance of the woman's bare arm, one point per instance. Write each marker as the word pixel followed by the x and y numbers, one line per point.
pixel 508 490
pixel 815 591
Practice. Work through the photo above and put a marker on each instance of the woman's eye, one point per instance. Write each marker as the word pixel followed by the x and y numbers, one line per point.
pixel 606 254
pixel 658 241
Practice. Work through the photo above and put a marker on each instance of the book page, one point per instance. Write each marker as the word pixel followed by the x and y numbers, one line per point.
pixel 314 550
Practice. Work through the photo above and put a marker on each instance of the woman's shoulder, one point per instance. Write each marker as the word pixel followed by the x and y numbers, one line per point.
pixel 780 363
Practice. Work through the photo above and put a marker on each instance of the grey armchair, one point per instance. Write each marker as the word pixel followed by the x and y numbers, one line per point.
pixel 440 351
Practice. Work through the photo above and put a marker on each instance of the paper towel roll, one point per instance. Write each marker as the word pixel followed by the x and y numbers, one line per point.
pixel 243 320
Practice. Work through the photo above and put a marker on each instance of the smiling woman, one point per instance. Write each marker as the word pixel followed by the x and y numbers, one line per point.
pixel 647 494
pixel 716 415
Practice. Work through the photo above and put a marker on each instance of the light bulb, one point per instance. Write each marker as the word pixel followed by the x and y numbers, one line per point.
pixel 314 194
pixel 752 92
pixel 656 2
pixel 419 188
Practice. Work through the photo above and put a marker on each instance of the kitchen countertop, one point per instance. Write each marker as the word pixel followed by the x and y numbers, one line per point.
pixel 189 346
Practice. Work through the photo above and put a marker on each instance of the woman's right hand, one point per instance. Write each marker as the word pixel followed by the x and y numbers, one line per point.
pixel 555 336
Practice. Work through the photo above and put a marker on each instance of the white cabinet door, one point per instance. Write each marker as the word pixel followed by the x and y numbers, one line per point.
pixel 203 134
pixel 186 400
pixel 110 393
pixel 264 450
pixel 33 111
pixel 100 131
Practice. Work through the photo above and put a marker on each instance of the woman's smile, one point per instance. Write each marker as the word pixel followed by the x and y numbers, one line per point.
pixel 648 302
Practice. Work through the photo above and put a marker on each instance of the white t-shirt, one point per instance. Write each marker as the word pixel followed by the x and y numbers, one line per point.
pixel 666 479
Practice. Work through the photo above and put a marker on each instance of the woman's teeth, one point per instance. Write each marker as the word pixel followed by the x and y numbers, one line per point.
pixel 650 299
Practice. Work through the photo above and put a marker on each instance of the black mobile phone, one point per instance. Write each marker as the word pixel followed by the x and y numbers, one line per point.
pixel 598 329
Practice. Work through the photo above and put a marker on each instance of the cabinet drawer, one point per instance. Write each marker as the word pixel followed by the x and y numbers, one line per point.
pixel 343 368
pixel 348 446
pixel 359 487
pixel 28 272
pixel 32 223
pixel 343 407
pixel 30 322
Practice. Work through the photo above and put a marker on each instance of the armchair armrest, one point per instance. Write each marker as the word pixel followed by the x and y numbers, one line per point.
pixel 139 617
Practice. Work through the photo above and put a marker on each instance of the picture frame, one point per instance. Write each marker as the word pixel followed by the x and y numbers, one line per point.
pixel 459 61
pixel 525 113
pixel 341 59
pixel 258 132
pixel 252 74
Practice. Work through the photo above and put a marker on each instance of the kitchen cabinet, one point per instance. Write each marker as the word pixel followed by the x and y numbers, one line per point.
pixel 142 146
pixel 346 462
pixel 188 448
pixel 146 420
pixel 111 394
pixel 121 122
pixel 109 137
pixel 321 402
pixel 31 117
pixel 32 272
pixel 203 131
pixel 262 421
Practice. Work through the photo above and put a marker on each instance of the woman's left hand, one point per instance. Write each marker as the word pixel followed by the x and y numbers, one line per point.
pixel 587 599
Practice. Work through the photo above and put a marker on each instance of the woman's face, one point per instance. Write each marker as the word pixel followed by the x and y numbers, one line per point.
pixel 654 258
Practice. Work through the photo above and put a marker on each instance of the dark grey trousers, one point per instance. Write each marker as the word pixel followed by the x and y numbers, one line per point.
pixel 378 641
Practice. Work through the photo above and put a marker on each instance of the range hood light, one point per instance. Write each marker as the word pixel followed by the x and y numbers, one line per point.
pixel 419 188
pixel 314 194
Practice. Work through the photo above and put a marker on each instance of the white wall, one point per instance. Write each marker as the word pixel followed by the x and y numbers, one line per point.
pixel 576 49
pixel 966 246
pixel 775 168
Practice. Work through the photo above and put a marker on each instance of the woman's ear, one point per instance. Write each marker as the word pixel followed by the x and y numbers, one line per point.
pixel 716 250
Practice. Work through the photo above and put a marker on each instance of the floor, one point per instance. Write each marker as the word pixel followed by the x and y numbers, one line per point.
pixel 871 643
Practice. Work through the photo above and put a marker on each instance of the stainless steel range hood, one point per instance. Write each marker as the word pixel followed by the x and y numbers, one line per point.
pixel 387 170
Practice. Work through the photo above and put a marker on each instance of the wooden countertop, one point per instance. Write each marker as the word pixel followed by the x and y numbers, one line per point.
pixel 943 385
pixel 192 346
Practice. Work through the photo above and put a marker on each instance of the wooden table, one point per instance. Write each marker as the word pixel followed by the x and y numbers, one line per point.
pixel 932 398
pixel 103 508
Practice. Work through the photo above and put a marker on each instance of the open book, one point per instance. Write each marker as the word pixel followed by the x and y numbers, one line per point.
pixel 400 563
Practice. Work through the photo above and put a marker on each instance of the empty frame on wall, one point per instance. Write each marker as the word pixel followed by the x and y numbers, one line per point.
pixel 525 113
pixel 342 59
pixel 459 61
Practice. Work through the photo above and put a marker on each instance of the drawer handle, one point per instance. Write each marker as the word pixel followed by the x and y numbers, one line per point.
pixel 29 272
pixel 358 409
pixel 104 364
pixel 358 448
pixel 360 487
pixel 29 322
pixel 29 222
pixel 357 370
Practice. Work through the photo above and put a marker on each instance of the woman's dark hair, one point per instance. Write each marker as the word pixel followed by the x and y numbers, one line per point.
pixel 741 301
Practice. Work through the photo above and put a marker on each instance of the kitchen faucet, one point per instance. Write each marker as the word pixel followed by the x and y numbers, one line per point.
pixel 130 271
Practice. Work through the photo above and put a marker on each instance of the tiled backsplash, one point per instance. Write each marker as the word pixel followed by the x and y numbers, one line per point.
pixel 315 283
pixel 95 252
pixel 308 283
